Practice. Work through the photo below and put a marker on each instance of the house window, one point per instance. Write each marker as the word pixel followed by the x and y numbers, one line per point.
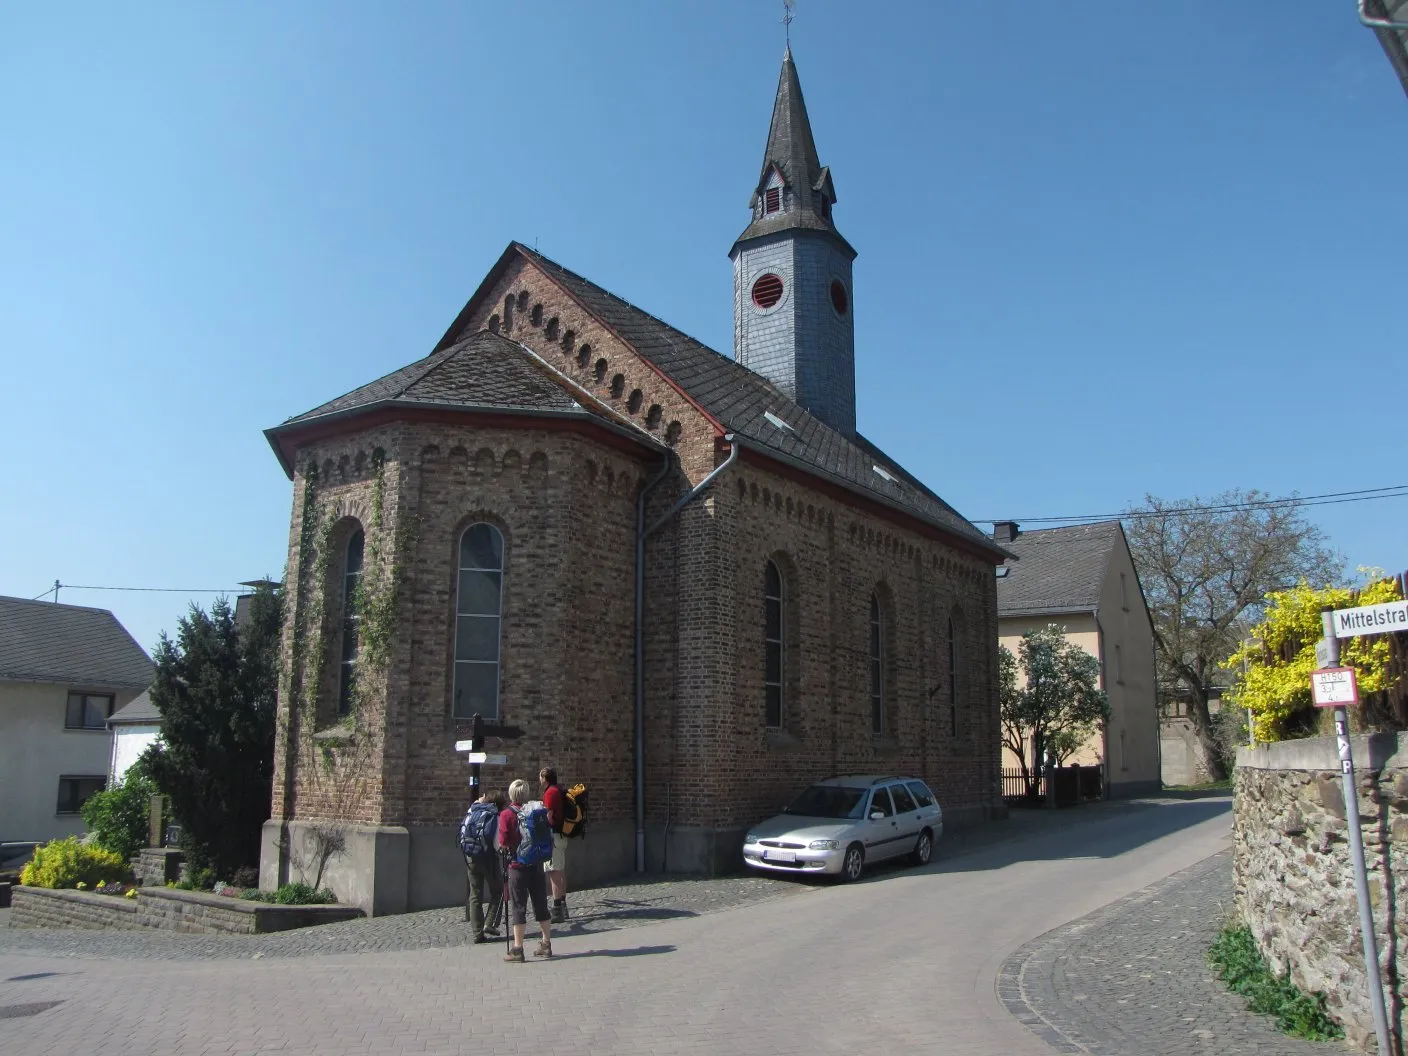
pixel 75 791
pixel 88 711
pixel 351 576
pixel 772 200
pixel 1119 667
pixel 877 666
pixel 1124 593
pixel 952 679
pixel 772 643
pixel 478 615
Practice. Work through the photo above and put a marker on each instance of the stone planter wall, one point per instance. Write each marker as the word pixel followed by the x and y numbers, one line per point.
pixel 1292 872
pixel 38 907
pixel 155 866
pixel 166 909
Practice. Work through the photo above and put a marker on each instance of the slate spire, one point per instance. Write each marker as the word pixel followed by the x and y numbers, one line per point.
pixel 807 190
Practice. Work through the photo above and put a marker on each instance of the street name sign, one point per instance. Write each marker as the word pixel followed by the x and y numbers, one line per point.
pixel 1371 619
pixel 1334 687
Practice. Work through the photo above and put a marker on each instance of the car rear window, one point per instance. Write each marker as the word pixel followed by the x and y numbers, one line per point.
pixel 922 795
pixel 828 801
pixel 904 803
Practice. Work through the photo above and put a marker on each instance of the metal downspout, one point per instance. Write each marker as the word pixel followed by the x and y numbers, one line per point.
pixel 642 533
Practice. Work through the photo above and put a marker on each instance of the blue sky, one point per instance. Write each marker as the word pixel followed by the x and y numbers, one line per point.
pixel 1112 250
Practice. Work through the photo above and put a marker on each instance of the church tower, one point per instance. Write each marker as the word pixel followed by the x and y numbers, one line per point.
pixel 792 319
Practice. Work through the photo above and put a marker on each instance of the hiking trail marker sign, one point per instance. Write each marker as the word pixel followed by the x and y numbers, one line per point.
pixel 1334 687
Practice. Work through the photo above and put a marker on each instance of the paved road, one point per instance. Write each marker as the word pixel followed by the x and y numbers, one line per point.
pixel 905 962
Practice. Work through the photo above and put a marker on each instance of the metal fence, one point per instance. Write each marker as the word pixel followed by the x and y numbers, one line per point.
pixel 1073 784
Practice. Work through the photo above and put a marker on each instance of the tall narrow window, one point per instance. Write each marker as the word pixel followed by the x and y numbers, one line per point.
pixel 772 200
pixel 1124 593
pixel 772 635
pixel 952 679
pixel 1119 667
pixel 351 576
pixel 478 612
pixel 877 666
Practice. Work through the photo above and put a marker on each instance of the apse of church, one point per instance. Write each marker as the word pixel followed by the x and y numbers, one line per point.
pixel 464 541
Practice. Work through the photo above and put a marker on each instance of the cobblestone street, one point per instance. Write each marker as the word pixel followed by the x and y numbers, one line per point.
pixel 1132 978
pixel 961 955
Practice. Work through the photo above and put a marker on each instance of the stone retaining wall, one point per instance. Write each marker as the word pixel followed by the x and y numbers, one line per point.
pixel 167 909
pixel 1292 873
pixel 37 907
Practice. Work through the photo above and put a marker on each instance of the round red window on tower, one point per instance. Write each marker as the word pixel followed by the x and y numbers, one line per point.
pixel 839 300
pixel 767 291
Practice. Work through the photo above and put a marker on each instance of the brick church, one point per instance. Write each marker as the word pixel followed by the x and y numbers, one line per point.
pixel 679 576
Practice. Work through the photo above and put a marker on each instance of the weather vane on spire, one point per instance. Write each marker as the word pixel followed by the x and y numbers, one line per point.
pixel 788 9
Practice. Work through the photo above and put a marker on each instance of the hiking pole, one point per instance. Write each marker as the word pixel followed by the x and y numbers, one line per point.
pixel 504 904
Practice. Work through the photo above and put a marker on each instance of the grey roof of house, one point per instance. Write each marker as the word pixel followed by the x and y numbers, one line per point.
pixel 739 399
pixel 792 148
pixel 1059 569
pixel 41 641
pixel 484 371
pixel 139 711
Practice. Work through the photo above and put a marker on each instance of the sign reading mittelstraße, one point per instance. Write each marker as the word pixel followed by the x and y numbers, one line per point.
pixel 1372 619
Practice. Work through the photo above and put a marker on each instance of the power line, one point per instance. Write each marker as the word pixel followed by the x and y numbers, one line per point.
pixel 1397 491
pixel 155 590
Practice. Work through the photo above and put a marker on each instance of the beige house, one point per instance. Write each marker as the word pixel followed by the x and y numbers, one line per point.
pixel 64 670
pixel 1082 579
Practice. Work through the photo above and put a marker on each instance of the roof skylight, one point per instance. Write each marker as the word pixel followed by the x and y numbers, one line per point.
pixel 777 422
pixel 884 473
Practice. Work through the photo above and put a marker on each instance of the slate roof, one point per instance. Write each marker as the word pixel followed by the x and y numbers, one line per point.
pixel 139 711
pixel 1059 569
pixel 739 399
pixel 41 641
pixel 482 372
pixel 792 148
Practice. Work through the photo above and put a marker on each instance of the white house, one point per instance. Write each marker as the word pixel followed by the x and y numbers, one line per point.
pixel 135 728
pixel 64 671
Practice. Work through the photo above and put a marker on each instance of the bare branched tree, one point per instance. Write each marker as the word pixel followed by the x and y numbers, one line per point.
pixel 1206 568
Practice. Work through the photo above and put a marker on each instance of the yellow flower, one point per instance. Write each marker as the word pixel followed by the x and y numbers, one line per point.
pixel 81 886
pixel 131 893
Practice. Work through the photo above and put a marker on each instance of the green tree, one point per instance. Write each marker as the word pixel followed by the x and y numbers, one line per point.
pixel 217 690
pixel 119 817
pixel 1206 568
pixel 1050 698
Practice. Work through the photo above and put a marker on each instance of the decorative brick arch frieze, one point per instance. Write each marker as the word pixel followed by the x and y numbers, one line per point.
pixel 547 320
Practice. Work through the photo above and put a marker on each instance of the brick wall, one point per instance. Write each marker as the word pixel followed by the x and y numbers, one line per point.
pixel 165 909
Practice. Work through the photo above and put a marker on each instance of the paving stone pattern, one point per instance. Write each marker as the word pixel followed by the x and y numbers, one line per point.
pixel 594 911
pixel 1132 978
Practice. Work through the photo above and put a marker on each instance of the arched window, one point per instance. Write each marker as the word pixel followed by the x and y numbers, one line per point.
pixel 952 678
pixel 478 612
pixel 351 576
pixel 772 642
pixel 877 666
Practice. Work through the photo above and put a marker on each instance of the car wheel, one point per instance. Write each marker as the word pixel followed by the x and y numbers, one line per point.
pixel 854 862
pixel 923 848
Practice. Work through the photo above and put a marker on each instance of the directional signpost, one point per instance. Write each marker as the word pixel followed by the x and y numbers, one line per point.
pixel 476 756
pixel 1335 687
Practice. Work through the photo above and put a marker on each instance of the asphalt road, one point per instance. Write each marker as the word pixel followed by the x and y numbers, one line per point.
pixel 905 961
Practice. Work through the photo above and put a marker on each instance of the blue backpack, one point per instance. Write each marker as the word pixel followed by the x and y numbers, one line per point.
pixel 477 830
pixel 534 834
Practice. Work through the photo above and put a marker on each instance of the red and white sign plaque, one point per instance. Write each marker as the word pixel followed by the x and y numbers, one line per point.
pixel 1334 687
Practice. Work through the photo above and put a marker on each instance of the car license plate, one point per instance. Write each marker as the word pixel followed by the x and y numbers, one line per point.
pixel 780 856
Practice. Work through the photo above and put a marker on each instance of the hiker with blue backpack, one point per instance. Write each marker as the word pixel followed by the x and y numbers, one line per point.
pixel 525 839
pixel 481 860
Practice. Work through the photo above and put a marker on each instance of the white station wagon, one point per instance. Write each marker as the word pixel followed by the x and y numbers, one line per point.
pixel 839 825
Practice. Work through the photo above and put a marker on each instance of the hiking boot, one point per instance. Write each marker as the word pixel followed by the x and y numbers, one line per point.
pixel 514 955
pixel 478 939
pixel 544 949
pixel 559 912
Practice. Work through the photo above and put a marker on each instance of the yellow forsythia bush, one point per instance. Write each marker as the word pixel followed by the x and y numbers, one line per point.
pixel 69 863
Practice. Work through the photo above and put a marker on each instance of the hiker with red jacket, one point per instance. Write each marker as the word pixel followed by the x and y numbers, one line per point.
pixel 526 839
pixel 556 802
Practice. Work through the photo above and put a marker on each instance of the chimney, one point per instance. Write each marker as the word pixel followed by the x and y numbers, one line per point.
pixel 1005 531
